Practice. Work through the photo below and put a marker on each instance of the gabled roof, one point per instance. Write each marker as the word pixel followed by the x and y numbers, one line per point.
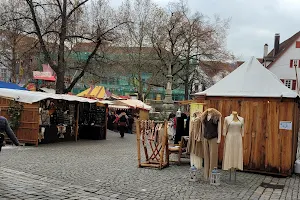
pixel 251 79
pixel 282 48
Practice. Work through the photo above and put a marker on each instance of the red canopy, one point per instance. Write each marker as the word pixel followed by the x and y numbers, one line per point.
pixel 51 78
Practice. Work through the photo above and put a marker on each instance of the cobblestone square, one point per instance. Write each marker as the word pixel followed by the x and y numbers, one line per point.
pixel 108 170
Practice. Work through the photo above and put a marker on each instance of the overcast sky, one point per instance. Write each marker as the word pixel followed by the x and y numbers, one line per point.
pixel 253 22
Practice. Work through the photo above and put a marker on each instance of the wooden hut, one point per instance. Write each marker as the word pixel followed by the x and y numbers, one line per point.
pixel 271 113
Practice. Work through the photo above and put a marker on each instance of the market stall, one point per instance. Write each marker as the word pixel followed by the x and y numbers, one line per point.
pixel 46 117
pixel 271 116
pixel 97 92
pixel 93 121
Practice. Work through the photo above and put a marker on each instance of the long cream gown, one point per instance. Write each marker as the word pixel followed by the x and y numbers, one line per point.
pixel 233 147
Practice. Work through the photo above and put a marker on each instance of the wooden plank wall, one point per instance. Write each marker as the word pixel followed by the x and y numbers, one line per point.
pixel 266 148
pixel 29 127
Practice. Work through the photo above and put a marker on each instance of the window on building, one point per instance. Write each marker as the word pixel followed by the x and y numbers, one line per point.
pixel 294 62
pixel 3 74
pixel 297 44
pixel 289 83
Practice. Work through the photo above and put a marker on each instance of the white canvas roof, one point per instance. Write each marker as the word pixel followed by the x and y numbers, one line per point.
pixel 251 79
pixel 32 97
pixel 135 103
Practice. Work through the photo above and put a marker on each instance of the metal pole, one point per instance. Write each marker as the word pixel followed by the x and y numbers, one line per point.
pixel 295 65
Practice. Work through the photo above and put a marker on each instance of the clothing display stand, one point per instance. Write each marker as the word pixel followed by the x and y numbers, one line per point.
pixel 153 138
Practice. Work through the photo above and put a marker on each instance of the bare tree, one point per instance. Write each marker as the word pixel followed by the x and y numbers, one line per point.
pixel 57 24
pixel 15 47
pixel 139 57
pixel 189 38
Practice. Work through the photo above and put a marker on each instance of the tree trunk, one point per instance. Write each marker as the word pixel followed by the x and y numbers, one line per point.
pixel 186 81
pixel 186 90
pixel 13 66
pixel 60 82
pixel 140 86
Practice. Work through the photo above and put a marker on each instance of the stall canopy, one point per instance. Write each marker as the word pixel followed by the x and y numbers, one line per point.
pixel 32 97
pixel 97 92
pixel 133 103
pixel 119 107
pixel 10 86
pixel 251 79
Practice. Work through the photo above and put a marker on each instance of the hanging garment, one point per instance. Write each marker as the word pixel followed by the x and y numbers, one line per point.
pixel 211 128
pixel 210 156
pixel 195 147
pixel 45 118
pixel 233 147
pixel 195 138
pixel 171 129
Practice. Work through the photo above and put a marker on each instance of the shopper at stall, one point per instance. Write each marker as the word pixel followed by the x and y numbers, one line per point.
pixel 171 126
pixel 123 123
pixel 180 127
pixel 5 128
pixel 110 121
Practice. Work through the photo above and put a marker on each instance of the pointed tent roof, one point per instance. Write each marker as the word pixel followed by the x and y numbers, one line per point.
pixel 97 92
pixel 251 79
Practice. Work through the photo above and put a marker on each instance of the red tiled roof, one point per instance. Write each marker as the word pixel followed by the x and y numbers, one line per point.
pixel 239 63
pixel 212 68
pixel 282 48
pixel 89 47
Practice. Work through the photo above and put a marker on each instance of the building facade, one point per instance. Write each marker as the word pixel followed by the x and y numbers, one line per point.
pixel 284 60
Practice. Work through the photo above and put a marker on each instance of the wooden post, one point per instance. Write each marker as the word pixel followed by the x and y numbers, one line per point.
pixel 106 119
pixel 138 139
pixel 77 120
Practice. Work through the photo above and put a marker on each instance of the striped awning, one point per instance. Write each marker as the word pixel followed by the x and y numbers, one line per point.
pixel 97 92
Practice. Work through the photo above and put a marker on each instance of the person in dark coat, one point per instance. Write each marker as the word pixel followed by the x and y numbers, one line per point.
pixel 5 128
pixel 187 126
pixel 123 123
pixel 110 121
pixel 180 127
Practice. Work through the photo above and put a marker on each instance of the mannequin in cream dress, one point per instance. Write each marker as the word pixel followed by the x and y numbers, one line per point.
pixel 233 130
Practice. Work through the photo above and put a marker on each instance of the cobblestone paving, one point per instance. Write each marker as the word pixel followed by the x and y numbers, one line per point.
pixel 108 170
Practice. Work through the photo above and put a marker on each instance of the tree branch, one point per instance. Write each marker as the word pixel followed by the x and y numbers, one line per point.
pixel 75 8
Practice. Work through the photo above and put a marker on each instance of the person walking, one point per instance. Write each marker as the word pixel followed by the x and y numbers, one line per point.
pixel 123 123
pixel 5 128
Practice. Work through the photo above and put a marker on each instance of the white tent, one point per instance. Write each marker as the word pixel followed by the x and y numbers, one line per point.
pixel 32 97
pixel 134 103
pixel 251 79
